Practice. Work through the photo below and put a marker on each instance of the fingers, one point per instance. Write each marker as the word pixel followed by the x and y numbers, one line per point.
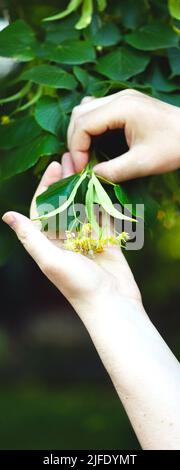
pixel 52 174
pixel 93 123
pixel 79 144
pixel 67 165
pixel 60 266
pixel 44 253
pixel 128 166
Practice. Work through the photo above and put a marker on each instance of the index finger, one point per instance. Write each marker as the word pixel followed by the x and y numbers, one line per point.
pixel 93 123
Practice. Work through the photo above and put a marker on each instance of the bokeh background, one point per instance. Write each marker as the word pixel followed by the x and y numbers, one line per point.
pixel 54 391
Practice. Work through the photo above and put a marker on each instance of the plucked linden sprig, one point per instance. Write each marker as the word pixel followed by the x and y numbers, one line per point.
pixel 85 243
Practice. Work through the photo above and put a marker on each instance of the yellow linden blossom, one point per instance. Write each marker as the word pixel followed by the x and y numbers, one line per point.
pixel 160 215
pixel 5 120
pixel 85 244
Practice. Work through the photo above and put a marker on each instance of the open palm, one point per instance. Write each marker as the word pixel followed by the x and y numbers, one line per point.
pixel 75 275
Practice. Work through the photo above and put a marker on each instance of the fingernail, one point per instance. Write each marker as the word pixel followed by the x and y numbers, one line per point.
pixel 9 219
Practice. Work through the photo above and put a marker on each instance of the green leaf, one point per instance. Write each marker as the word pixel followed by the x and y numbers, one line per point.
pixel 106 202
pixel 17 41
pixel 63 31
pixel 68 202
pixel 174 8
pixel 122 63
pixel 105 35
pixel 70 100
pixel 50 115
pixel 153 36
pixel 71 52
pixel 133 14
pixel 62 188
pixel 171 98
pixel 86 17
pixel 136 193
pixel 174 60
pixel 124 198
pixel 158 80
pixel 72 6
pixel 97 87
pixel 16 132
pixel 81 75
pixel 101 88
pixel 24 157
pixel 50 75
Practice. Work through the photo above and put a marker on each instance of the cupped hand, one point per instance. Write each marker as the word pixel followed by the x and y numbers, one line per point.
pixel 82 280
pixel 151 129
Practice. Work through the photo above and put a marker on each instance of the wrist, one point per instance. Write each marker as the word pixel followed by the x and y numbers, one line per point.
pixel 103 309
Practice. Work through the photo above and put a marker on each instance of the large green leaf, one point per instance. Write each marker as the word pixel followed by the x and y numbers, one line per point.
pixel 63 31
pixel 71 52
pixel 171 98
pixel 122 63
pixel 81 75
pixel 174 60
pixel 174 8
pixel 20 159
pixel 69 100
pixel 136 193
pixel 21 130
pixel 153 36
pixel 103 35
pixel 133 14
pixel 52 76
pixel 50 115
pixel 17 41
pixel 158 79
pixel 63 204
pixel 61 189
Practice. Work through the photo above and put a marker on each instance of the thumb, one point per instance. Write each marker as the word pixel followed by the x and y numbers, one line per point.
pixel 125 167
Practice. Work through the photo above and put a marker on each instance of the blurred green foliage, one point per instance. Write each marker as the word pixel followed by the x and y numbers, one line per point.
pixel 77 417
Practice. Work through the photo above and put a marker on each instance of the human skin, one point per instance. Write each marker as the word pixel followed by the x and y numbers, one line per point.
pixel 106 297
pixel 152 131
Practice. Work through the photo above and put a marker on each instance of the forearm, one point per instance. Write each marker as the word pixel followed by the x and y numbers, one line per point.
pixel 144 371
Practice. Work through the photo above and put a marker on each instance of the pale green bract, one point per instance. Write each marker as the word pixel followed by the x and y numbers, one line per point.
pixel 102 4
pixel 86 14
pixel 90 200
pixel 72 6
pixel 106 202
pixel 174 8
pixel 86 17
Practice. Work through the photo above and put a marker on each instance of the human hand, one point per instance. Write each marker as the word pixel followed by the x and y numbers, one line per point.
pixel 80 279
pixel 104 294
pixel 151 129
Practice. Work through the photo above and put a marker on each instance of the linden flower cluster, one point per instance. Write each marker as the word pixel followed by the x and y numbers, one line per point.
pixel 83 242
